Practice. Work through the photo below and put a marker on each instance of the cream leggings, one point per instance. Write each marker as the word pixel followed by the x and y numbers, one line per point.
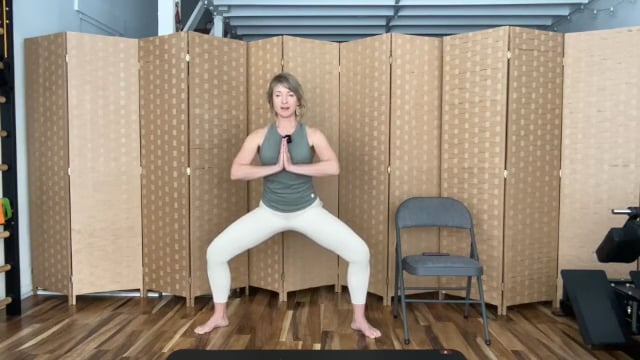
pixel 260 224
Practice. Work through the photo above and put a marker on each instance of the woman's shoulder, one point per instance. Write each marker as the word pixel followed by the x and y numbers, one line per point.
pixel 314 135
pixel 313 131
pixel 258 134
pixel 261 130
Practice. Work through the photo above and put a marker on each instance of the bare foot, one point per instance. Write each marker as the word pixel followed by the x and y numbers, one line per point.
pixel 212 323
pixel 366 328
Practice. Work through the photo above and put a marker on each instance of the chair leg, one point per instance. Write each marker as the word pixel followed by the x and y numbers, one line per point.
pixel 487 339
pixel 467 296
pixel 395 290
pixel 404 310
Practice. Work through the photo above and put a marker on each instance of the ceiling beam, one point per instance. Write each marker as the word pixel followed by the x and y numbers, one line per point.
pixel 490 2
pixel 254 11
pixel 340 11
pixel 481 10
pixel 476 20
pixel 336 38
pixel 390 2
pixel 304 3
pixel 308 21
pixel 437 30
pixel 298 30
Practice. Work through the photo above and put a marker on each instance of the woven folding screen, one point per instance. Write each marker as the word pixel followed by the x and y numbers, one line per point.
pixel 532 192
pixel 165 158
pixel 217 127
pixel 104 149
pixel 600 164
pixel 473 142
pixel 94 143
pixel 500 154
pixel 416 83
pixel 48 136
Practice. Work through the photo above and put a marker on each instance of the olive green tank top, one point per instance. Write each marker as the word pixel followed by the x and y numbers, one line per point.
pixel 285 191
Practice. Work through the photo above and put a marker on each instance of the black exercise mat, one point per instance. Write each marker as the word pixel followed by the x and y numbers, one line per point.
pixel 444 354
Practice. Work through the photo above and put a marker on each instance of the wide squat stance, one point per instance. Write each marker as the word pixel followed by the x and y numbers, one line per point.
pixel 285 149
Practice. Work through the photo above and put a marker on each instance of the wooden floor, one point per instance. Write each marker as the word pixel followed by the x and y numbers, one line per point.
pixel 114 327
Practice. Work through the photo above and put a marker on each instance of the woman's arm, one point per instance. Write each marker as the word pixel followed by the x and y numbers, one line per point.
pixel 326 165
pixel 243 169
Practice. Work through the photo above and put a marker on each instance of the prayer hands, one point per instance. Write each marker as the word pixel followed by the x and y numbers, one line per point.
pixel 285 157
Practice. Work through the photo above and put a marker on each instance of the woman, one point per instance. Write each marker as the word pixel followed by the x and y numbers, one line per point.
pixel 289 202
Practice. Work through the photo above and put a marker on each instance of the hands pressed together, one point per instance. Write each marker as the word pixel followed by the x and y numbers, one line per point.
pixel 284 161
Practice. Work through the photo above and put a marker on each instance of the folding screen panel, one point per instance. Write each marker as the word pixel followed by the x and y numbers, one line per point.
pixel 164 132
pixel 416 83
pixel 474 106
pixel 316 65
pixel 84 156
pixel 532 191
pixel 104 155
pixel 364 149
pixel 265 61
pixel 217 127
pixel 600 161
pixel 48 136
pixel 282 263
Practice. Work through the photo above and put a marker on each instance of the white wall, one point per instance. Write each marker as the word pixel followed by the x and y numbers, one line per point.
pixel 166 16
pixel 31 18
pixel 597 15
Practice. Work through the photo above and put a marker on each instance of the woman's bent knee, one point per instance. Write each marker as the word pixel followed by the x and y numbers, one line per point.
pixel 361 255
pixel 216 253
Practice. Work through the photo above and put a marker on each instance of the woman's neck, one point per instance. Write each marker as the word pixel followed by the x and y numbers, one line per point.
pixel 286 126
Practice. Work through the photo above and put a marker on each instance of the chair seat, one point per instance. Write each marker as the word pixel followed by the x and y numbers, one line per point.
pixel 449 265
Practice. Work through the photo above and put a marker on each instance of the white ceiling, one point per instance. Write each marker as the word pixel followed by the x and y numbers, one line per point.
pixel 344 20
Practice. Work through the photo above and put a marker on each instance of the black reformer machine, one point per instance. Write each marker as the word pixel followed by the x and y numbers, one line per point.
pixel 607 310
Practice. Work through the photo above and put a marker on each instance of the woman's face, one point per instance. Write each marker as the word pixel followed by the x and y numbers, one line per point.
pixel 285 102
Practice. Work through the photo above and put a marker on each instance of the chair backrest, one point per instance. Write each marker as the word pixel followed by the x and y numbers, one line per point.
pixel 433 212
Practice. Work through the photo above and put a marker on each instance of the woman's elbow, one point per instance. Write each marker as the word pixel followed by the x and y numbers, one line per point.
pixel 335 170
pixel 234 174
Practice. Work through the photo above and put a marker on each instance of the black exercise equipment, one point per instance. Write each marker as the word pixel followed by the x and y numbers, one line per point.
pixel 622 245
pixel 606 309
